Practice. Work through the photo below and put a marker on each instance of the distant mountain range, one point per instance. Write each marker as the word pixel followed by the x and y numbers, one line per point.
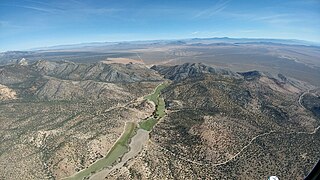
pixel 182 41
pixel 294 58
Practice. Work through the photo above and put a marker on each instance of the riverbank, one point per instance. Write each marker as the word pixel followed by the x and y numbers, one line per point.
pixel 135 134
pixel 117 151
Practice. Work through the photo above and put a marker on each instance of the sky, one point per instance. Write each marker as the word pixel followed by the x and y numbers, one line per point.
pixel 26 24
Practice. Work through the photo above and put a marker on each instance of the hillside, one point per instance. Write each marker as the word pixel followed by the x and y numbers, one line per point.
pixel 220 126
pixel 59 118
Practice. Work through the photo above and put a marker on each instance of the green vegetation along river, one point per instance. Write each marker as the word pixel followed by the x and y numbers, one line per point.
pixel 121 147
pixel 118 149
pixel 160 108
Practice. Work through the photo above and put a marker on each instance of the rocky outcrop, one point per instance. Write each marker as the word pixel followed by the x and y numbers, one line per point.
pixel 7 93
pixel 251 75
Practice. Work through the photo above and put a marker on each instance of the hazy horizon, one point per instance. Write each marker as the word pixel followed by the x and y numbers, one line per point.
pixel 27 24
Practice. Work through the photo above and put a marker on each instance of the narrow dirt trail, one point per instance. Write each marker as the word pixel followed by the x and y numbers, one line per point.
pixel 237 154
pixel 301 96
pixel 245 147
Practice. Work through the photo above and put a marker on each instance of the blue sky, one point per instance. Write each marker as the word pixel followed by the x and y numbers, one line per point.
pixel 26 24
